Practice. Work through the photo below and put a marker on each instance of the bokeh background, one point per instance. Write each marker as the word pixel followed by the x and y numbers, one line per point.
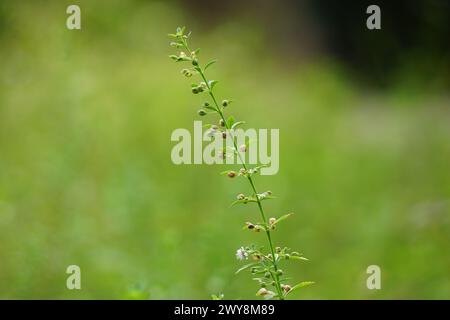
pixel 85 170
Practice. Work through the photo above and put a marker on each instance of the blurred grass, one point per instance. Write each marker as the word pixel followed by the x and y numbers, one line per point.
pixel 86 176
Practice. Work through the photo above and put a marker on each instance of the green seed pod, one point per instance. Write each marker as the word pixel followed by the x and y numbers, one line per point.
pixel 206 104
pixel 279 272
pixel 267 275
pixel 201 112
pixel 195 90
pixel 225 103
pixel 222 123
pixel 195 62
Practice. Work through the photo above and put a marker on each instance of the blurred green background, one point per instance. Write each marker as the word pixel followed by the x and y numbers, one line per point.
pixel 86 176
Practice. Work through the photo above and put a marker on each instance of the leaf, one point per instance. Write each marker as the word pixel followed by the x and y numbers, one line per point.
pixel 173 57
pixel 209 64
pixel 212 83
pixel 243 201
pixel 300 285
pixel 230 121
pixel 267 198
pixel 283 217
pixel 299 258
pixel 211 108
pixel 238 123
pixel 246 267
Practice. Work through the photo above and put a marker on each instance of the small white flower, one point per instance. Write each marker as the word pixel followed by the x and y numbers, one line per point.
pixel 269 295
pixel 241 254
pixel 211 132
pixel 243 148
pixel 265 293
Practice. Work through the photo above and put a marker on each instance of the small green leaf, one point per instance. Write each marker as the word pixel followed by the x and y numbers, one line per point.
pixel 173 57
pixel 246 267
pixel 236 124
pixel 212 83
pixel 210 64
pixel 230 121
pixel 283 217
pixel 211 108
pixel 298 258
pixel 243 201
pixel 300 285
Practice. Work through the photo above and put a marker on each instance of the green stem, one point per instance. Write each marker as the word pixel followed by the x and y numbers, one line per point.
pixel 274 275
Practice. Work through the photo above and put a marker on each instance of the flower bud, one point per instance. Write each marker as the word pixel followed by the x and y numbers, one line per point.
pixel 222 123
pixel 195 62
pixel 262 292
pixel 201 112
pixel 287 256
pixel 206 103
pixel 257 228
pixel 240 196
pixel 286 288
pixel 272 220
pixel 242 172
pixel 267 275
pixel 195 90
pixel 277 249
pixel 225 103
pixel 224 135
pixel 262 284
pixel 279 272
pixel 256 257
pixel 231 174
pixel 250 225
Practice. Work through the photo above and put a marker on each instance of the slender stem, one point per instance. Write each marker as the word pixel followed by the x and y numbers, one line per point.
pixel 274 275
